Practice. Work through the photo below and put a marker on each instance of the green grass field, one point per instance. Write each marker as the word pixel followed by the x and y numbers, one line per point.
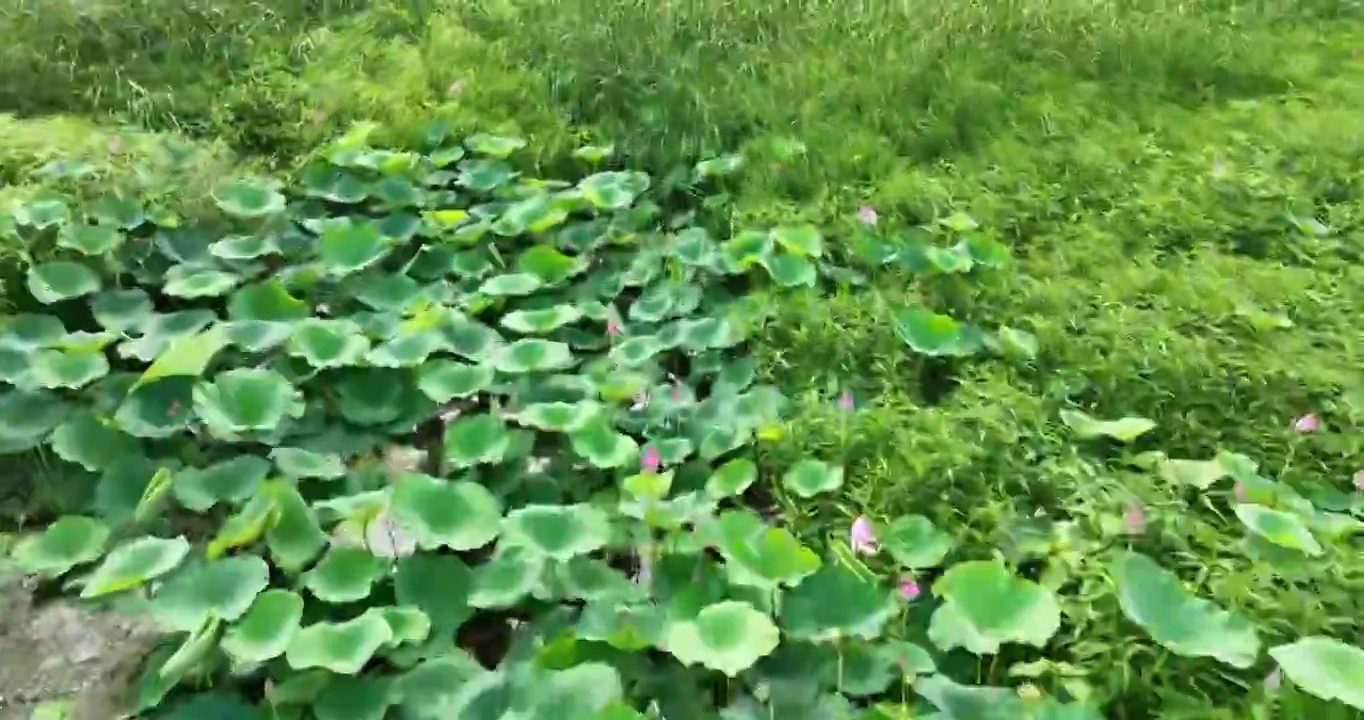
pixel 1180 185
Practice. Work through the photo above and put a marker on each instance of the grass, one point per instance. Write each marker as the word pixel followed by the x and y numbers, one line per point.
pixel 1158 169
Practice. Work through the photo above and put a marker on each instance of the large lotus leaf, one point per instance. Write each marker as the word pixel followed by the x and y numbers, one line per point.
pixel 563 417
pixel 789 270
pixel 970 702
pixel 131 488
pixel 613 190
pixel 159 331
pixel 245 401
pixel 536 214
pixel 476 439
pixel 532 355
pixel 915 543
pixel 548 264
pixel 248 198
pixel 471 340
pixel 760 556
pixel 636 351
pixel 405 350
pixel 986 605
pixel 1182 622
pixel 728 636
pixel 732 478
pixel 835 603
pixel 66 543
pixel 60 280
pixel 593 580
pixel 343 648
pixel 266 629
pixel 90 239
pixel 92 443
pixel 345 574
pixel 746 249
pixel 809 478
pixel 387 292
pixel 350 248
pixel 1324 667
pixel 300 463
pixel 244 247
pixel 158 409
pixel 493 146
pixel 134 563
pixel 187 355
pixel 437 584
pixel 511 285
pixel 214 705
pixel 189 282
pixel 803 240
pixel 445 380
pixel 929 333
pixel 559 532
pixel 540 322
pixel 268 300
pixel 484 175
pixel 222 588
pixel 1200 474
pixel 258 335
pixel 296 536
pixel 1124 429
pixel 57 369
pixel 1281 528
pixel 458 515
pixel 244 527
pixel 328 343
pixel 232 481
pixel 371 396
pixel 354 698
pixel 41 213
pixel 28 418
pixel 602 446
pixel 30 332
pixel 511 574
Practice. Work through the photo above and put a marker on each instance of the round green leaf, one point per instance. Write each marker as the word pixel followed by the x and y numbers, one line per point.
pixel 328 343
pixel 732 478
pixel 350 248
pixel 1124 429
pixel 493 146
pixel 1185 624
pixel 593 580
pixel 387 292
pixel 296 536
pixel 354 698
pixel 548 264
pixel 438 584
pixel 532 355
pixel 191 282
pixel 835 603
pixel 508 577
pixel 343 648
pixel 59 280
pixel 613 190
pixel 257 335
pixel 1284 529
pixel 42 213
pixel 244 247
pixel 90 239
pixel 268 301
pixel 158 409
pixel 66 543
pixel 747 248
pixel 802 240
pixel 372 396
pixel 789 270
pixel 915 543
pixel 57 369
pixel 476 439
pixel 266 629
pixel 602 446
pixel 445 380
pixel 1200 474
pixel 408 350
pixel 636 351
pixel 563 417
pixel 809 478
pixel 134 563
pixel 932 334
pixel 223 588
pixel 187 355
pixel 514 284
pixel 540 322
pixel 760 556
pixel 247 199
pixel 300 463
pixel 246 400
pixel 231 481
pixel 1324 667
pixel 559 532
pixel 535 214
pixel 458 515
pixel 986 605
pixel 728 636
pixel 92 444
pixel 409 624
pixel 345 574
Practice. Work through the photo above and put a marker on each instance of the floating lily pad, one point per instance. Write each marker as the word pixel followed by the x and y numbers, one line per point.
pixel 60 280
pixel 134 563
pixel 66 543
pixel 266 629
pixel 728 636
pixel 455 514
pixel 986 605
pixel 1124 429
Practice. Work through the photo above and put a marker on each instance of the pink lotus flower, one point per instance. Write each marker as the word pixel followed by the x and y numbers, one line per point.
pixel 612 327
pixel 651 460
pixel 862 538
pixel 867 216
pixel 1308 423
pixel 1239 490
pixel 1359 480
pixel 846 402
pixel 908 589
pixel 1135 520
pixel 677 393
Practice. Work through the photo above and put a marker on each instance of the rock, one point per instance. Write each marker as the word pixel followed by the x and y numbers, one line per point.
pixel 62 650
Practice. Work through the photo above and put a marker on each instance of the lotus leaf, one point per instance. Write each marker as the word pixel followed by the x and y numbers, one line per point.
pixel 246 401
pixel 91 443
pixel 60 280
pixel 809 478
pixel 563 417
pixel 69 541
pixel 1284 529
pixel 1324 667
pixel 93 240
pixel 222 588
pixel 559 532
pixel 835 603
pixel 266 629
pixel 760 556
pixel 930 333
pixel 135 562
pixel 299 463
pixel 602 446
pixel 437 584
pixel 915 543
pixel 1124 429
pixel 343 647
pixel 732 478
pixel 248 199
pixel 729 636
pixel 458 515
pixel 532 355
pixel 328 343
pixel 986 605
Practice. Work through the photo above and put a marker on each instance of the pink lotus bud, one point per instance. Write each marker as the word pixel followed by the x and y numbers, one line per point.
pixel 862 538
pixel 1240 491
pixel 846 402
pixel 612 327
pixel 1308 423
pixel 1359 480
pixel 867 215
pixel 908 589
pixel 1135 520
pixel 651 460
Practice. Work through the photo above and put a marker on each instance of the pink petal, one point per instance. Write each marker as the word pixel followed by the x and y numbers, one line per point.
pixel 908 589
pixel 867 215
pixel 1359 480
pixel 1135 520
pixel 846 402
pixel 862 538
pixel 1307 423
pixel 652 459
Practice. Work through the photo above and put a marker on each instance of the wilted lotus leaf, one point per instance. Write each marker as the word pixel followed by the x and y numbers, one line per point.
pixel 60 280
pixel 539 322
pixel 929 333
pixel 300 463
pixel 345 574
pixel 1281 528
pixel 835 603
pixel 1182 622
pixel 636 351
pixel 476 439
pixel 187 281
pixel 602 446
pixel 248 199
pixel 1124 429
pixel 532 355
pixel 69 541
pixel 760 556
pixel 915 543
pixel 809 478
pixel 728 636
pixel 222 588
pixel 90 239
pixel 134 563
pixel 266 629
pixel 455 514
pixel 564 417
pixel 232 480
pixel 511 574
pixel 328 343
pixel 732 478
pixel 343 648
pixel 986 605
pixel 1325 667
pixel 559 532
pixel 91 443
pixel 493 146
pixel 244 401
pixel 438 584
pixel 613 190
pixel 789 270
